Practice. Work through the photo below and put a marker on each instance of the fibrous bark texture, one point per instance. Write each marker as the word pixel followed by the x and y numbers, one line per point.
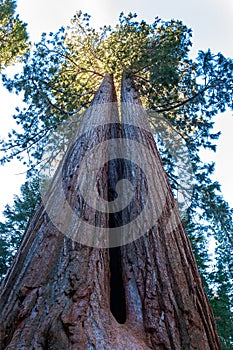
pixel 160 271
pixel 144 292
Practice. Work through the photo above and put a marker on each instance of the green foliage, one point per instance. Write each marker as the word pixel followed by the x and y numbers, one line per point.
pixel 65 69
pixel 16 221
pixel 222 301
pixel 13 35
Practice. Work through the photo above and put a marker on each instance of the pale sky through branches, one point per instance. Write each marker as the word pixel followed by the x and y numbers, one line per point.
pixel 212 25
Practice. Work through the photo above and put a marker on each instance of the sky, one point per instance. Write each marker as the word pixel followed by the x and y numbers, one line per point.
pixel 212 25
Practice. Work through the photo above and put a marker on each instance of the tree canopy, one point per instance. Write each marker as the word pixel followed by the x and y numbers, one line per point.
pixel 13 34
pixel 16 221
pixel 62 73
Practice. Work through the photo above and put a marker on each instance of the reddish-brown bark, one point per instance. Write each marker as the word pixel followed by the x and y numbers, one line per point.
pixel 57 294
pixel 159 269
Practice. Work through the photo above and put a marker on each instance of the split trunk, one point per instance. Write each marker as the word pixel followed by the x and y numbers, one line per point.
pixel 145 291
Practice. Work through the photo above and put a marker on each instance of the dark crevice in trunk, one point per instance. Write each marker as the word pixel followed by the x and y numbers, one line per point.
pixel 117 292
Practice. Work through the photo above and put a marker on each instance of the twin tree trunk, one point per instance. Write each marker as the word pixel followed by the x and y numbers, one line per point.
pixel 146 294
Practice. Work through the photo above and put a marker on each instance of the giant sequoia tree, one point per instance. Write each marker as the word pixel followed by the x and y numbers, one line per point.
pixel 59 81
pixel 146 294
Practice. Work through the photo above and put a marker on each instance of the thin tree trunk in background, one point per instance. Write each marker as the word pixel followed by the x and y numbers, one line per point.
pixel 147 294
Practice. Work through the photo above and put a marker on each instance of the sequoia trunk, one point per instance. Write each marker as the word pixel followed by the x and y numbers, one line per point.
pixel 164 291
pixel 67 290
